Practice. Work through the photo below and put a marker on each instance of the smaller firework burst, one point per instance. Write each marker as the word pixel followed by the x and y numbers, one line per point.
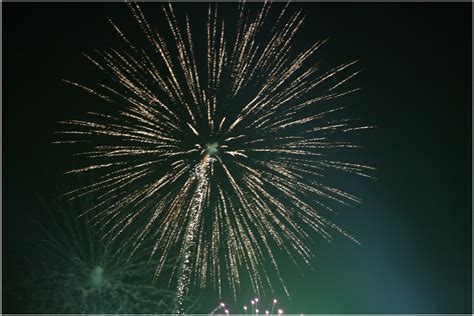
pixel 255 307
pixel 80 272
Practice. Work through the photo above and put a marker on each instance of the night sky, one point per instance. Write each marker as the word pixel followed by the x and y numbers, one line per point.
pixel 415 221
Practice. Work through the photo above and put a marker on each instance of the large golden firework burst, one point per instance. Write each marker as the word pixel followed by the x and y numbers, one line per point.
pixel 218 156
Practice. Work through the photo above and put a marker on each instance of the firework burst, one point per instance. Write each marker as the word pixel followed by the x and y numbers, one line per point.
pixel 78 271
pixel 253 308
pixel 220 160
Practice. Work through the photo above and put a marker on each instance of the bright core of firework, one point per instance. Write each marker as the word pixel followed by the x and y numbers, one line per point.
pixel 212 149
pixel 220 156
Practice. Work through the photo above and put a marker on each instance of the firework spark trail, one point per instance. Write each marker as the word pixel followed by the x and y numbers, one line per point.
pixel 217 160
pixel 201 176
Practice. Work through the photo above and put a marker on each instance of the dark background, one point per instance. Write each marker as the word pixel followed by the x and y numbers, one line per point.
pixel 415 222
